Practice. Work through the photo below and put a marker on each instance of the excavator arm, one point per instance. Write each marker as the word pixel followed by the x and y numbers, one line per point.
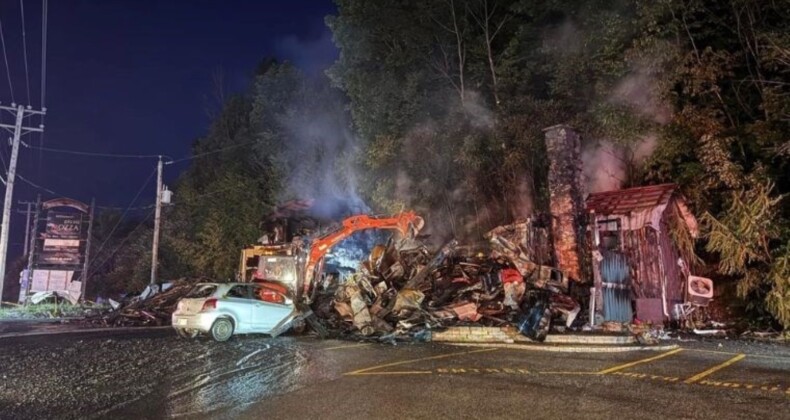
pixel 404 223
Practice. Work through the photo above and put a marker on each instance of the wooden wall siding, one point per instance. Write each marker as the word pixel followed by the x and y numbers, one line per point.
pixel 539 246
pixel 641 247
pixel 675 281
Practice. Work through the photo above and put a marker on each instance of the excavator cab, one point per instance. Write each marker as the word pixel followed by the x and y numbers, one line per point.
pixel 297 268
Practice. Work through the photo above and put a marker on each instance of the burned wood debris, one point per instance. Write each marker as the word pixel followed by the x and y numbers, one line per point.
pixel 402 290
pixel 153 307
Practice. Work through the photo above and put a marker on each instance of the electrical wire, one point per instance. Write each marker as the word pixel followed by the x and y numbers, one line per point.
pixel 34 185
pixel 95 154
pixel 210 152
pixel 7 68
pixel 128 208
pixel 44 20
pixel 2 158
pixel 133 156
pixel 57 194
pixel 118 248
pixel 24 49
pixel 145 207
pixel 44 7
pixel 141 207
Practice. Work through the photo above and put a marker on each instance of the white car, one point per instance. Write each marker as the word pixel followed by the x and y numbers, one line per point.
pixel 225 309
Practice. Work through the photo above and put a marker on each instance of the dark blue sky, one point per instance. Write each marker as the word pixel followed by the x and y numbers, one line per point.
pixel 136 76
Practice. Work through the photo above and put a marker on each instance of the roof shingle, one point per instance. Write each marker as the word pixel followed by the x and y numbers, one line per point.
pixel 630 200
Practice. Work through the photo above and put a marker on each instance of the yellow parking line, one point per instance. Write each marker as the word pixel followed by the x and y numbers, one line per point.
pixel 701 375
pixel 406 372
pixel 350 346
pixel 638 362
pixel 403 362
pixel 751 355
pixel 568 373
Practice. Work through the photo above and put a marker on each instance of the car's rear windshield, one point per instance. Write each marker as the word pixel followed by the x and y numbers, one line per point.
pixel 202 291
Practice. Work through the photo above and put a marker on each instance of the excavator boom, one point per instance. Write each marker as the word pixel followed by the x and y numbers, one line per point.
pixel 405 223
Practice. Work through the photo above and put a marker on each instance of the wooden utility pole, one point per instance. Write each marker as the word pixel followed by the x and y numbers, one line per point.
pixel 21 112
pixel 87 260
pixel 157 220
pixel 32 255
pixel 27 212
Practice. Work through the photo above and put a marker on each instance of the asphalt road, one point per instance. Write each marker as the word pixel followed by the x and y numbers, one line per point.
pixel 156 375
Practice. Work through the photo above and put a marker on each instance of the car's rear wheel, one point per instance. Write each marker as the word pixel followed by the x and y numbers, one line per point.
pixel 183 333
pixel 222 329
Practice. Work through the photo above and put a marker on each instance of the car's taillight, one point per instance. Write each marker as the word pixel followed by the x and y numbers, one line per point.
pixel 209 304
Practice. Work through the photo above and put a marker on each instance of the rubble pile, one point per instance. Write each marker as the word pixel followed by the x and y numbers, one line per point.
pixel 402 290
pixel 153 307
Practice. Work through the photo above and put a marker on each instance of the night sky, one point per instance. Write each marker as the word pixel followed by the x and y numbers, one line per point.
pixel 137 77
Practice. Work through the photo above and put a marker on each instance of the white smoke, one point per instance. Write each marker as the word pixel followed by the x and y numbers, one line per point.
pixel 640 92
pixel 606 164
pixel 477 112
pixel 319 151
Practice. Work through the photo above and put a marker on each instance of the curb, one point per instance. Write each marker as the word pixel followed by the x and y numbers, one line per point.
pixel 39 320
pixel 582 339
pixel 509 335
pixel 569 349
pixel 118 330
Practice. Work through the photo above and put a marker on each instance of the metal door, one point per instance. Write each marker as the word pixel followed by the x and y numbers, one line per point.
pixel 616 278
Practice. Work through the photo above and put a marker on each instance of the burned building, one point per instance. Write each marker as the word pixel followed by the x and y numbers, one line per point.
pixel 638 253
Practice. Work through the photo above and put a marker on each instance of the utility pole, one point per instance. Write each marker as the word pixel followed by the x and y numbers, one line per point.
pixel 28 212
pixel 21 113
pixel 31 257
pixel 157 217
pixel 86 263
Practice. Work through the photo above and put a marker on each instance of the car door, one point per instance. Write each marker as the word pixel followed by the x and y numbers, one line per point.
pixel 238 303
pixel 270 307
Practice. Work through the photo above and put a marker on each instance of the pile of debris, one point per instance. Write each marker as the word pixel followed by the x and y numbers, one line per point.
pixel 402 290
pixel 153 307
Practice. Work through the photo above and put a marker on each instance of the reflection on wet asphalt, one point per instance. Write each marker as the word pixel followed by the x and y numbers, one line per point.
pixel 227 377
pixel 152 375
pixel 213 382
pixel 137 377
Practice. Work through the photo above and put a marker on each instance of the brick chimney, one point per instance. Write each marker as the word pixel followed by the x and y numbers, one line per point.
pixel 565 202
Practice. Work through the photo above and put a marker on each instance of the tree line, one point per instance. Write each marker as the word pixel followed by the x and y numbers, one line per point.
pixel 439 106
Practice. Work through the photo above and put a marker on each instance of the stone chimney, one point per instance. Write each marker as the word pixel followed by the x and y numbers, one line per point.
pixel 566 202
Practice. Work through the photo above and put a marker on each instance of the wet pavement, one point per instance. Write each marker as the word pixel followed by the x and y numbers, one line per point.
pixel 156 375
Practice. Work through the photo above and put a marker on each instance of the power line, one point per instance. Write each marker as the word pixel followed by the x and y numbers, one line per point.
pixel 43 52
pixel 120 245
pixel 34 185
pixel 145 207
pixel 57 194
pixel 7 68
pixel 24 49
pixel 44 13
pixel 120 219
pixel 95 154
pixel 210 152
pixel 134 156
pixel 2 157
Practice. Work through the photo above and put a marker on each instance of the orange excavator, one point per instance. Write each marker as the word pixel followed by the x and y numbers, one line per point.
pixel 296 268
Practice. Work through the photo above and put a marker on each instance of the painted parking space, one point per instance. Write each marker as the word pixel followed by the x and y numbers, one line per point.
pixel 736 371
pixel 753 373
pixel 678 367
pixel 416 366
pixel 486 361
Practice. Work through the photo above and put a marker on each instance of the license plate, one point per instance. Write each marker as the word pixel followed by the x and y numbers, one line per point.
pixel 182 322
